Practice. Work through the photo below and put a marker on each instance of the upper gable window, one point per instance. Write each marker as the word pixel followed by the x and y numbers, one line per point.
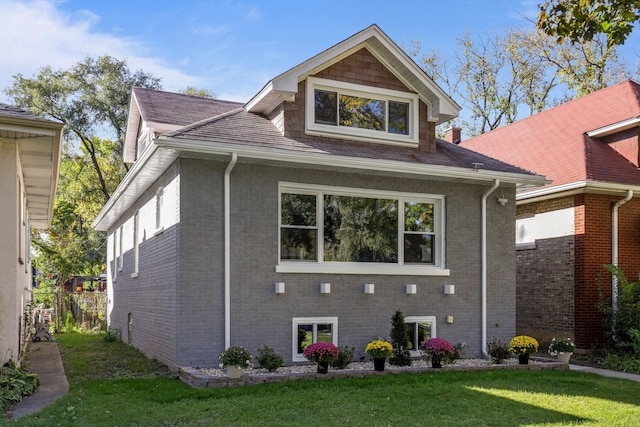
pixel 361 112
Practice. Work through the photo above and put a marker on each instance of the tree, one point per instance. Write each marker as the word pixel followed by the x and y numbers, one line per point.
pixel 582 21
pixel 400 341
pixel 499 78
pixel 91 98
pixel 583 68
pixel 202 93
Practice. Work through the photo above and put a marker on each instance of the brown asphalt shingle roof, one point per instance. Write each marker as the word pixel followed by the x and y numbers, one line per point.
pixel 554 142
pixel 178 109
pixel 241 127
pixel 18 113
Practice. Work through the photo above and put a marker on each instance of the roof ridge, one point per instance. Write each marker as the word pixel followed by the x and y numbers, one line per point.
pixel 168 92
pixel 206 121
pixel 635 87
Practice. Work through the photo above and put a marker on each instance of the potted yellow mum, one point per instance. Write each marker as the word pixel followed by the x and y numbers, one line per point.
pixel 523 346
pixel 379 350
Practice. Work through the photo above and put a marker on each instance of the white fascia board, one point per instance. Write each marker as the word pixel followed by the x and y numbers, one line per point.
pixel 140 177
pixel 571 189
pixel 614 128
pixel 311 158
pixel 253 102
pixel 131 136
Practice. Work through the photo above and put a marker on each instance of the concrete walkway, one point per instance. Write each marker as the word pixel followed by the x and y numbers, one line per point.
pixel 43 359
pixel 605 372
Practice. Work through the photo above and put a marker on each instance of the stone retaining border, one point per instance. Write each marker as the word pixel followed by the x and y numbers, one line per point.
pixel 198 379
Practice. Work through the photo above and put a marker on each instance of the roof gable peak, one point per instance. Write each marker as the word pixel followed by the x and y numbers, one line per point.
pixel 284 87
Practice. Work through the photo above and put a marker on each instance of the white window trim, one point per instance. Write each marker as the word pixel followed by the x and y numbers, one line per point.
pixel 159 204
pixel 115 254
pixel 136 245
pixel 313 128
pixel 120 250
pixel 297 357
pixel 332 267
pixel 422 319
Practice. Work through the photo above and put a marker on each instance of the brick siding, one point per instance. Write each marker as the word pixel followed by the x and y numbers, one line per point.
pixel 544 284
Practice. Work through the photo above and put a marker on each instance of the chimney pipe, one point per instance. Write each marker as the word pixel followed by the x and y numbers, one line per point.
pixel 453 135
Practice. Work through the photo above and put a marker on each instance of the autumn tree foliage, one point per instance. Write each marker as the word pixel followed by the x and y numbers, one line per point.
pixel 91 98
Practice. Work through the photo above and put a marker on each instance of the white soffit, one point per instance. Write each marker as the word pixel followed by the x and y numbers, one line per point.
pixel 39 144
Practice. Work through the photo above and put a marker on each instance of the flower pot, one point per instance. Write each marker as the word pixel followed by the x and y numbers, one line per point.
pixel 564 357
pixel 523 359
pixel 378 363
pixel 323 367
pixel 233 371
pixel 436 363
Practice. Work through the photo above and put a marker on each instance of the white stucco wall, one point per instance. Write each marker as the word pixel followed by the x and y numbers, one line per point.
pixel 546 225
pixel 15 268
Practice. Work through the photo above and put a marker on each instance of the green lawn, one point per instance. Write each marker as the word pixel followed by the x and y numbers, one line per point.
pixel 495 398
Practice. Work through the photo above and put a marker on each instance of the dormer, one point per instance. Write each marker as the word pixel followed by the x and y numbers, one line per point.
pixel 623 136
pixel 364 88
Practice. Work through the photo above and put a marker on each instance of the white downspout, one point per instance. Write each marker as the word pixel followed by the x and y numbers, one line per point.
pixel 496 184
pixel 227 251
pixel 614 246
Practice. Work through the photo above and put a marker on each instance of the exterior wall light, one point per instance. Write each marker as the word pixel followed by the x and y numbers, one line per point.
pixel 369 288
pixel 325 288
pixel 280 288
pixel 411 289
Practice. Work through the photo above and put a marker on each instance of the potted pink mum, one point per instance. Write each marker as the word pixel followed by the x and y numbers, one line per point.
pixel 437 349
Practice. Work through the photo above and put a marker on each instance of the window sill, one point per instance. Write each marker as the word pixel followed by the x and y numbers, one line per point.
pixel 364 268
pixel 158 231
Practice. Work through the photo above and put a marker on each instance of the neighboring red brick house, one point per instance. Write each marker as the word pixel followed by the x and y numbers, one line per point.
pixel 588 216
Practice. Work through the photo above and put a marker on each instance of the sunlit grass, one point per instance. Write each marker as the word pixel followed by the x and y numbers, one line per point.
pixel 587 410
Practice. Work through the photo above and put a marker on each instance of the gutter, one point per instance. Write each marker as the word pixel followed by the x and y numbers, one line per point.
pixel 367 164
pixel 227 250
pixel 486 194
pixel 614 246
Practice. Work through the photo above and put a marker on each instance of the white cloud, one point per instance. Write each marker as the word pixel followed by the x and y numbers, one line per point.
pixel 36 34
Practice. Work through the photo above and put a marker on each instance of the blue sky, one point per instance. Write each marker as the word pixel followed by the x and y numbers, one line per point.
pixel 229 47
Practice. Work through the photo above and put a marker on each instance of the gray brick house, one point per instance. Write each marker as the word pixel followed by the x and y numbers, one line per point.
pixel 312 212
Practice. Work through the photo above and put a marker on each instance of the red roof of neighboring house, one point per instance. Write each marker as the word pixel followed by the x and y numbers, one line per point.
pixel 554 142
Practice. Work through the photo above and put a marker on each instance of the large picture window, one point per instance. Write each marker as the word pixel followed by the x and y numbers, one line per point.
pixel 309 330
pixel 346 228
pixel 361 111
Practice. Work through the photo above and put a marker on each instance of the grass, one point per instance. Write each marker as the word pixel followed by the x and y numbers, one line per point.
pixel 113 385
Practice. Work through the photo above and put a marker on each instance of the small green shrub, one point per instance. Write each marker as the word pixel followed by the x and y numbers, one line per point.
pixel 345 356
pixel 15 384
pixel 399 337
pixel 498 350
pixel 622 362
pixel 268 358
pixel 458 350
pixel 69 323
pixel 623 318
pixel 113 334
